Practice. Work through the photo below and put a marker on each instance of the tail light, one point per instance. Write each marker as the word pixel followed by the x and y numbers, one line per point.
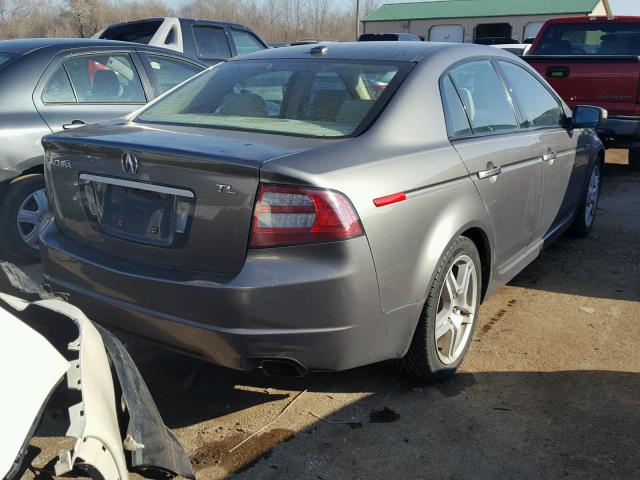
pixel 298 215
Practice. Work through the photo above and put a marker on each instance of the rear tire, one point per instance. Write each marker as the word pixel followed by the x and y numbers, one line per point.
pixel 24 194
pixel 583 223
pixel 634 158
pixel 435 356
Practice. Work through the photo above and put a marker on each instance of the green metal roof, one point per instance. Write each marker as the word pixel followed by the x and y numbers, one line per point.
pixel 478 8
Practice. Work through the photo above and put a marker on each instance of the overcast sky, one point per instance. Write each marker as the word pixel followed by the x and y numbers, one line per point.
pixel 620 7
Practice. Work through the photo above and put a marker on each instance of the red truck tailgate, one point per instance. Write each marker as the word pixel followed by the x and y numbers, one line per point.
pixel 611 82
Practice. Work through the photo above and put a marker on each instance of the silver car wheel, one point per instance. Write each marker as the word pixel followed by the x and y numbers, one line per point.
pixel 456 310
pixel 593 193
pixel 30 214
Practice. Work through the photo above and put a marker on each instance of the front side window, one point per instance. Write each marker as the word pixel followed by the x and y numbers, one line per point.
pixel 538 106
pixel 455 116
pixel 58 88
pixel 317 98
pixel 245 42
pixel 170 71
pixel 211 42
pixel 105 78
pixel 485 97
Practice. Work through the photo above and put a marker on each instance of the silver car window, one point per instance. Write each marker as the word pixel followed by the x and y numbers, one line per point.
pixel 539 107
pixel 485 97
pixel 105 78
pixel 170 71
pixel 319 98
pixel 455 116
pixel 58 88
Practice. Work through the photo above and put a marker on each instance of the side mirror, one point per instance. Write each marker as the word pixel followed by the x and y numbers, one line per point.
pixel 585 116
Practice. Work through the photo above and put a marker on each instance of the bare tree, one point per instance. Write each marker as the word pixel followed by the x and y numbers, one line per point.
pixel 273 20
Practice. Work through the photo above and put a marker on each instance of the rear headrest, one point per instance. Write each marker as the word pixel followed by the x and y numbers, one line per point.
pixel 243 105
pixel 353 111
pixel 105 84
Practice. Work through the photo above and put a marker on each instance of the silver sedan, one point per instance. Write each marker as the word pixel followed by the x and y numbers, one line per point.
pixel 321 207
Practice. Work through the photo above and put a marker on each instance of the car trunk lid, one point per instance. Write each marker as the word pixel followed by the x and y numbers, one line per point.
pixel 178 196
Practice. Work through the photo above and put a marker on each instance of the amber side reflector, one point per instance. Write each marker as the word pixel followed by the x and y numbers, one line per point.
pixel 389 199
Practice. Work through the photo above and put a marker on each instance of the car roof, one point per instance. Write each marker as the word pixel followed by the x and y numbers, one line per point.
pixel 389 51
pixel 25 45
pixel 28 45
pixel 186 19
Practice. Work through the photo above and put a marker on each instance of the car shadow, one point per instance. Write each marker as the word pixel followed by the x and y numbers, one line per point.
pixel 583 424
pixel 605 264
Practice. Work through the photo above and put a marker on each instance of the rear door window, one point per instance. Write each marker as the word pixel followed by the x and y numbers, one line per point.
pixel 58 89
pixel 485 97
pixel 590 38
pixel 245 42
pixel 170 71
pixel 211 42
pixel 538 106
pixel 105 78
pixel 137 32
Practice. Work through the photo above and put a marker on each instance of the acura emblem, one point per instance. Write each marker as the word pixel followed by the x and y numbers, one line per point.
pixel 129 163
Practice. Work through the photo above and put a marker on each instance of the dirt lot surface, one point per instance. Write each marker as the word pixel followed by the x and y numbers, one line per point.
pixel 550 388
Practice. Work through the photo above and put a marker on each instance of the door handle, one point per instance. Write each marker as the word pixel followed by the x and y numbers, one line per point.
pixel 549 157
pixel 73 124
pixel 491 171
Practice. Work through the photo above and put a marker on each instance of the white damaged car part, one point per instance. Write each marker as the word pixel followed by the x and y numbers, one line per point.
pixel 31 370
pixel 102 434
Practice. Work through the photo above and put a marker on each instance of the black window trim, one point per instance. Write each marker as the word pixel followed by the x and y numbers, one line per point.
pixel 535 76
pixel 475 134
pixel 60 63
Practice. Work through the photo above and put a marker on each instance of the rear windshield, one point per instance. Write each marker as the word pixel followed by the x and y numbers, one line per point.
pixel 379 37
pixel 592 38
pixel 311 97
pixel 137 32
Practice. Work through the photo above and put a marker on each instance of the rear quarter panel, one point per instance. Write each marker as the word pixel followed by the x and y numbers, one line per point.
pixel 406 150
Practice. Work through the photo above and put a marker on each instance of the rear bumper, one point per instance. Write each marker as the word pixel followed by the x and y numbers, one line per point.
pixel 317 305
pixel 621 132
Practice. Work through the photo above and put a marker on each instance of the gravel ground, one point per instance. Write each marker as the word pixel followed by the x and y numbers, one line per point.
pixel 550 388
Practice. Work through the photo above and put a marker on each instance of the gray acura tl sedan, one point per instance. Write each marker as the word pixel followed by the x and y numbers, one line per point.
pixel 317 208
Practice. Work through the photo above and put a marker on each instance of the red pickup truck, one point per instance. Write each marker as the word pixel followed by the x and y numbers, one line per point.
pixel 596 61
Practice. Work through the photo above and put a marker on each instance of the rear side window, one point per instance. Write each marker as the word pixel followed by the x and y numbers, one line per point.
pixel 58 88
pixel 590 38
pixel 455 116
pixel 245 42
pixel 485 97
pixel 539 107
pixel 211 42
pixel 137 32
pixel 170 71
pixel 105 79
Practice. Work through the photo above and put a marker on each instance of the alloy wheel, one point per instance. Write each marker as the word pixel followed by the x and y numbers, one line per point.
pixel 593 193
pixel 456 310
